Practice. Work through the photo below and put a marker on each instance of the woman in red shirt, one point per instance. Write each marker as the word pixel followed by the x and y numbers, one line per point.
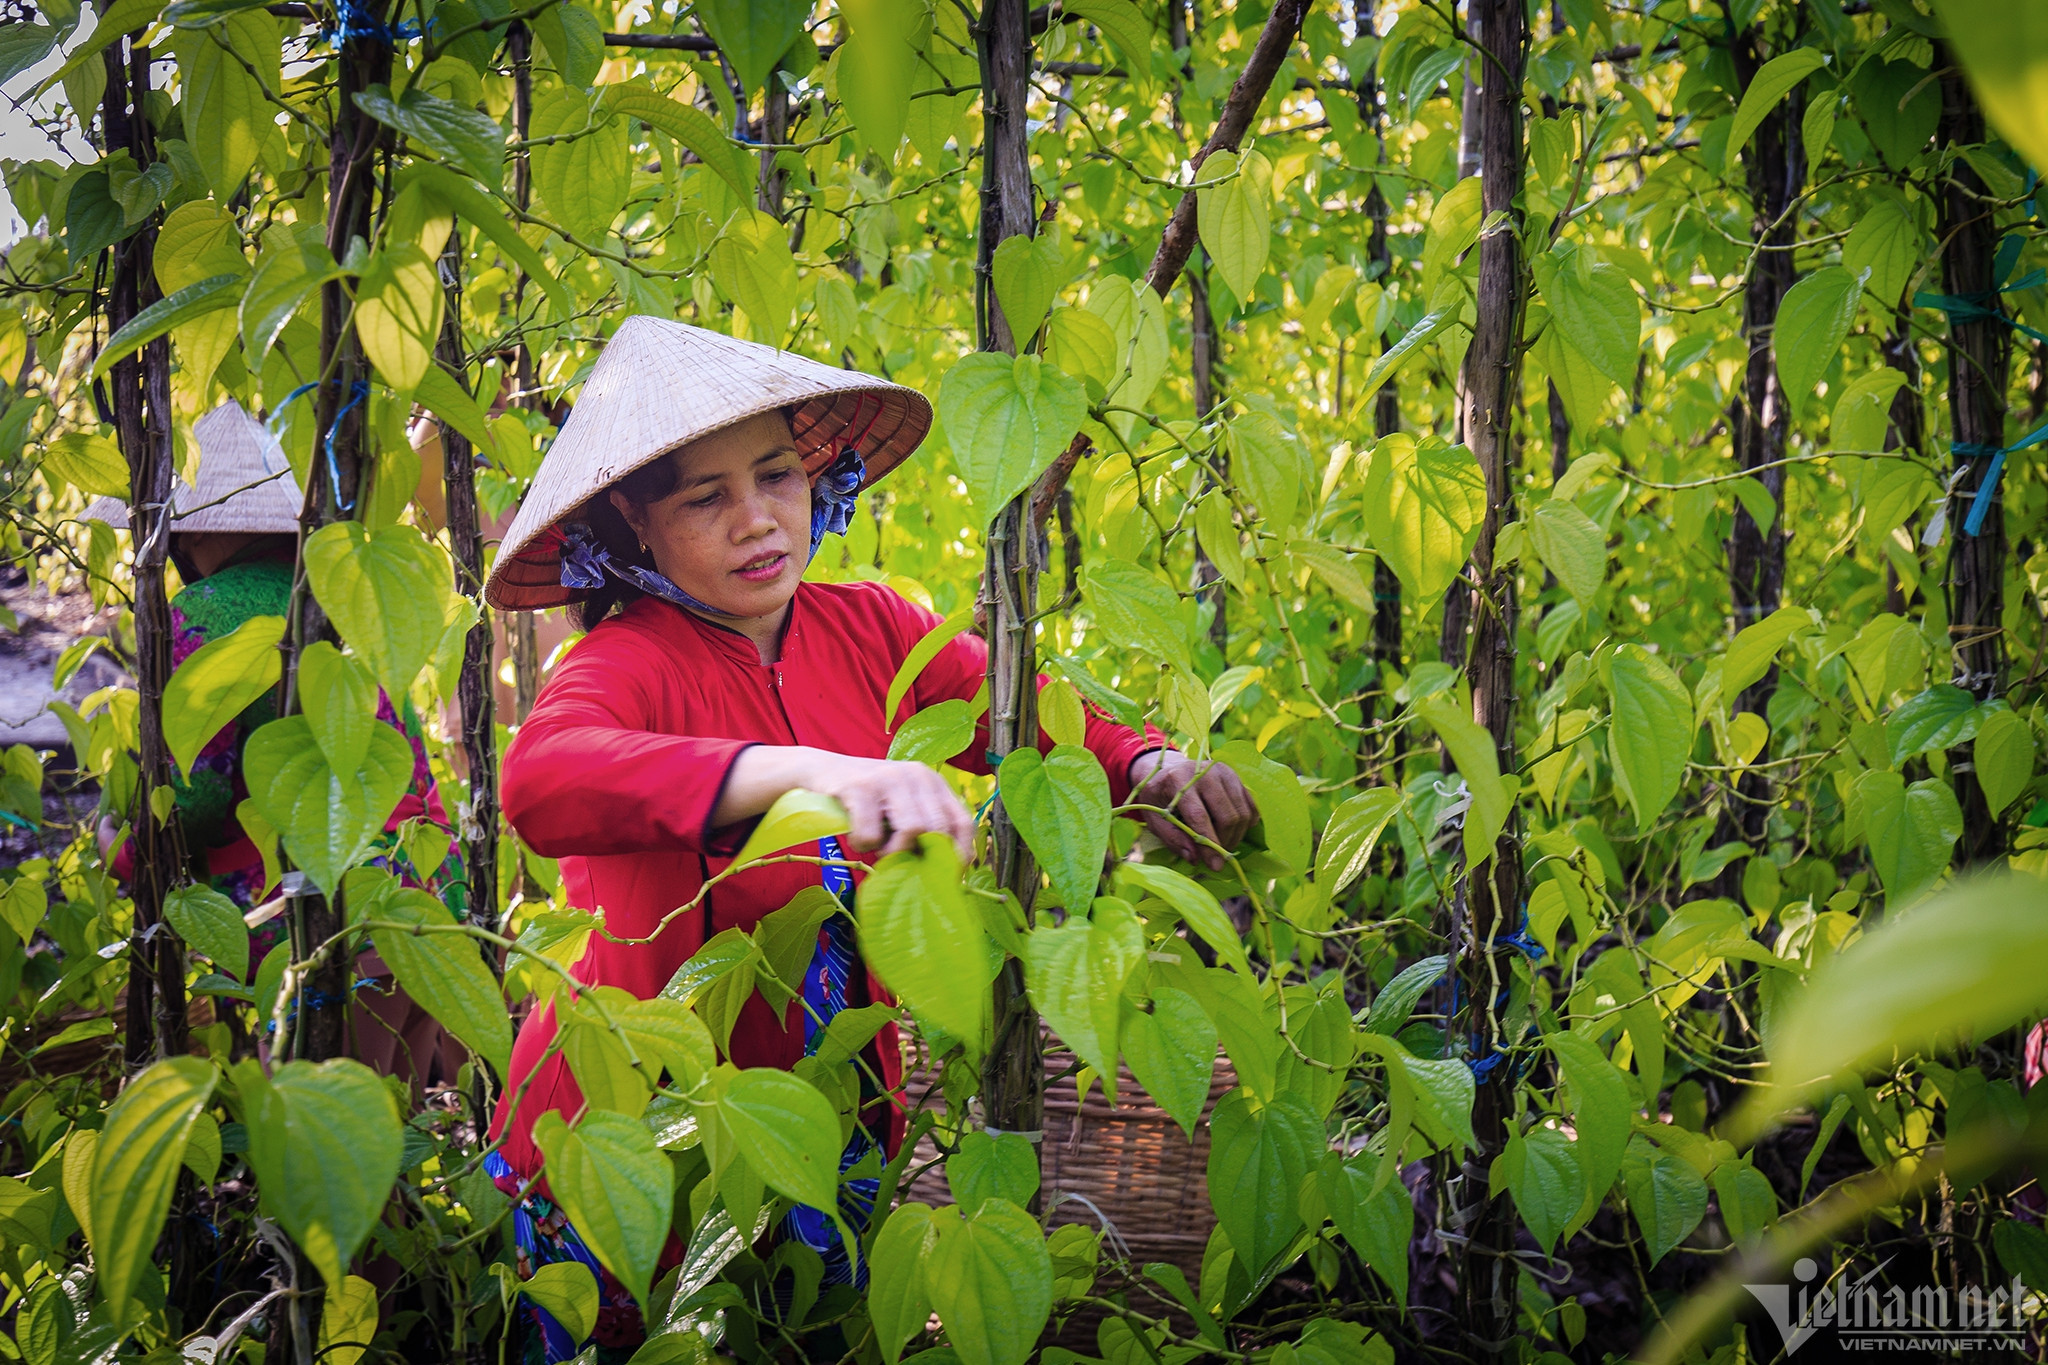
pixel 690 487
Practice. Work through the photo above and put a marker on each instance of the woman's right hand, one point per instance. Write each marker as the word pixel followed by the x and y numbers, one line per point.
pixel 889 804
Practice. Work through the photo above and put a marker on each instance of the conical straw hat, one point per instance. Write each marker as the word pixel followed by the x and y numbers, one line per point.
pixel 659 385
pixel 245 482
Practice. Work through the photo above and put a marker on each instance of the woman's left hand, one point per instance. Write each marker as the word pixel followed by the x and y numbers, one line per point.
pixel 1206 797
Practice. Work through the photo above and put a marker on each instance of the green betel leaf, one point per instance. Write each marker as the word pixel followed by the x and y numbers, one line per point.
pixel 1423 505
pixel 1571 545
pixel 574 41
pixel 1748 1202
pixel 1076 973
pixel 1601 1114
pixel 444 973
pixel 1942 717
pixel 135 1166
pixel 1353 830
pixel 226 113
pixel 348 1321
pixel 2000 46
pixel 398 313
pixel 688 125
pixel 1478 760
pixel 1667 1195
pixel 1084 346
pixel 1126 27
pixel 753 33
pixel 1172 1052
pixel 339 698
pixel 1541 1170
pixel 473 140
pixel 899 1304
pixel 878 67
pixel 2004 755
pixel 789 1132
pixel 1595 311
pixel 1911 831
pixel 1002 1166
pixel 1194 904
pixel 796 817
pixel 88 462
pixel 1813 322
pixel 935 734
pixel 1007 420
pixel 386 591
pixel 923 652
pixel 1283 806
pixel 584 178
pixel 1651 731
pixel 1026 271
pixel 1753 649
pixel 1137 609
pixel 617 1188
pixel 1378 1223
pixel 211 925
pixel 194 301
pixel 990 1279
pixel 566 1291
pixel 443 395
pixel 294 264
pixel 1258 1156
pixel 924 941
pixel 1885 243
pixel 326 818
pixel 1060 803
pixel 1918 981
pixel 1233 213
pixel 1269 464
pixel 325 1144
pixel 1772 82
pixel 752 265
pixel 1453 229
pixel 217 682
pixel 1863 412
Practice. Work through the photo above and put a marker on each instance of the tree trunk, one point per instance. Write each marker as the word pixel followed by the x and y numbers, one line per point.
pixel 1013 1077
pixel 139 389
pixel 1907 429
pixel 1758 420
pixel 335 486
pixel 1980 353
pixel 1492 897
pixel 774 129
pixel 1386 409
pixel 477 819
pixel 1202 341
pixel 521 640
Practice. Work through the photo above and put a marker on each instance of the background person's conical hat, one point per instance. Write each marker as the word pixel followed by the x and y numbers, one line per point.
pixel 245 482
pixel 659 385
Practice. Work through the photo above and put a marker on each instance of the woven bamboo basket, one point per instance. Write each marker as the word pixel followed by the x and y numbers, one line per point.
pixel 1126 1169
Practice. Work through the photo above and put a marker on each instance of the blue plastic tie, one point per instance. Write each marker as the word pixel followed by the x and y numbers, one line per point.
pixel 356 394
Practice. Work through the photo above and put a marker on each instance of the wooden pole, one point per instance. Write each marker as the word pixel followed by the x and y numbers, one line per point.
pixel 139 391
pixel 1980 356
pixel 1760 418
pixel 477 820
pixel 1013 1077
pixel 1491 898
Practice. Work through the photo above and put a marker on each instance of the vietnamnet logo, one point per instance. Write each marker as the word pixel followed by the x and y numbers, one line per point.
pixel 1867 1318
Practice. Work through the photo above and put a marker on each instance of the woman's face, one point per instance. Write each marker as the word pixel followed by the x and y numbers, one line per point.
pixel 736 532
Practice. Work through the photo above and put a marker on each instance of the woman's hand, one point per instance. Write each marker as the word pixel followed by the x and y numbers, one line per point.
pixel 1206 797
pixel 889 804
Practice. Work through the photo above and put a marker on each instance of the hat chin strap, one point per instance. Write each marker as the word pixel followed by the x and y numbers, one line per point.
pixel 585 561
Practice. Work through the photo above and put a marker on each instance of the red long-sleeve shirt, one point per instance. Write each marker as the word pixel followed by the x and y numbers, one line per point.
pixel 617 771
